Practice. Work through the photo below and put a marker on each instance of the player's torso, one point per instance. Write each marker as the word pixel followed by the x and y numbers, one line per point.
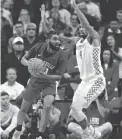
pixel 88 59
pixel 50 61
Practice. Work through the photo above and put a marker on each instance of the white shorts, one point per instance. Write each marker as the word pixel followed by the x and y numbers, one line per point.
pixel 88 91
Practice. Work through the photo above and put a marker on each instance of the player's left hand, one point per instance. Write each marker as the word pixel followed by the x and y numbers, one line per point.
pixel 5 134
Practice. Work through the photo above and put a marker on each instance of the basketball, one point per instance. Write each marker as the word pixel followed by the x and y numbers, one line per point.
pixel 36 66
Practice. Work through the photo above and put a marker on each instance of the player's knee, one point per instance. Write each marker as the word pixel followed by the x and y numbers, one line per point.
pixel 75 108
pixel 109 127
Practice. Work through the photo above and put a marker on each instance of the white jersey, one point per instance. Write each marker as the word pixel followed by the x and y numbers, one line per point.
pixel 88 59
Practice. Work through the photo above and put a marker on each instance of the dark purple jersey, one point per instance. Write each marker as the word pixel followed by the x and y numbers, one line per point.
pixel 55 63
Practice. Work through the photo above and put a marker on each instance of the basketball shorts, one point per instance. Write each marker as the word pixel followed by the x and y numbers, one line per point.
pixel 88 91
pixel 34 90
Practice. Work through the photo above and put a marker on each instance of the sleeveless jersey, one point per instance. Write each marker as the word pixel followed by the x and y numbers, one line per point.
pixel 88 59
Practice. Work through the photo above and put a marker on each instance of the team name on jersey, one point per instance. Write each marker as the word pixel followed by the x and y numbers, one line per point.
pixel 48 65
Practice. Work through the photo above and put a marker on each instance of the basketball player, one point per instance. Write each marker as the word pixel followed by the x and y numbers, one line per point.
pixel 55 62
pixel 91 73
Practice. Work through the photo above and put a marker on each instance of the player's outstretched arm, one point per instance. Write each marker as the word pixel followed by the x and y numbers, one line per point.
pixel 85 23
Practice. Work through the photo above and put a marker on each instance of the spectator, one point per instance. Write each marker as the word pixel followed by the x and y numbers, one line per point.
pixel 74 23
pixel 114 30
pixel 58 26
pixel 66 5
pixel 108 9
pixel 119 57
pixel 31 37
pixel 8 116
pixel 14 60
pixel 93 9
pixel 119 17
pixel 110 44
pixel 64 14
pixel 24 18
pixel 18 31
pixel 54 120
pixel 6 13
pixel 11 86
pixel 6 33
pixel 111 73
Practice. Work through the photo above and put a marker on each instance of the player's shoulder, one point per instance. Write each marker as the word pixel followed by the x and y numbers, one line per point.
pixel 63 54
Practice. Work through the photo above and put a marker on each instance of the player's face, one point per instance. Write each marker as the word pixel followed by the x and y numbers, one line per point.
pixel 11 75
pixel 110 41
pixel 5 100
pixel 19 46
pixel 55 41
pixel 82 32
pixel 106 55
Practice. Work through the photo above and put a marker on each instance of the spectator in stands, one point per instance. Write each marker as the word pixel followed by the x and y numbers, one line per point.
pixel 11 86
pixel 74 23
pixel 8 116
pixel 111 73
pixel 119 17
pixel 30 39
pixel 6 33
pixel 117 53
pixel 24 18
pixel 54 120
pixel 6 13
pixel 113 29
pixel 14 60
pixel 45 27
pixel 58 26
pixel 17 31
pixel 93 9
pixel 64 14
pixel 66 5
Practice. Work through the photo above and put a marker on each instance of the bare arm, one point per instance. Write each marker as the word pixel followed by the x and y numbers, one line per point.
pixel 95 36
pixel 13 121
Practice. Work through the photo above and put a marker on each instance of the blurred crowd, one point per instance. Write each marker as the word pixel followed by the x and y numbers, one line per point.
pixel 22 27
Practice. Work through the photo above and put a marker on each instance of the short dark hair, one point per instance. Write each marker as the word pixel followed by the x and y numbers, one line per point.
pixel 12 69
pixel 3 93
pixel 18 22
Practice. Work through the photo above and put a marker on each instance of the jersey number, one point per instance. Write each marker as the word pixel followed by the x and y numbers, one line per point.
pixel 81 55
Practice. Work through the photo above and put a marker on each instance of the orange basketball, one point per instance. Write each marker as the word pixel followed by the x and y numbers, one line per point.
pixel 36 66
